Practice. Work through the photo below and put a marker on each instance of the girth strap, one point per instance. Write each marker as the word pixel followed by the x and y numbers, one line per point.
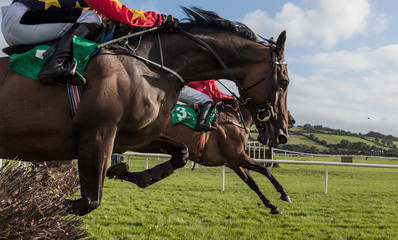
pixel 74 94
pixel 203 138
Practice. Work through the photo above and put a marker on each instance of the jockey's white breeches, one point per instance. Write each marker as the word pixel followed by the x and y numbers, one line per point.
pixel 191 95
pixel 16 33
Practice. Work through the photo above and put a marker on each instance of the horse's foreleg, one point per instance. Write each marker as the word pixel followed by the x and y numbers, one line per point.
pixel 95 148
pixel 179 156
pixel 250 164
pixel 247 178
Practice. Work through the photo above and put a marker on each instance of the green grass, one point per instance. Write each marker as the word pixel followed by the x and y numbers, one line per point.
pixel 299 139
pixel 335 139
pixel 362 203
pixel 329 137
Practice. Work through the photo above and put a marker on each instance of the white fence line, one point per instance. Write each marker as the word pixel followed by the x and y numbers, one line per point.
pixel 262 150
pixel 327 166
pixel 256 147
pixel 327 163
pixel 147 156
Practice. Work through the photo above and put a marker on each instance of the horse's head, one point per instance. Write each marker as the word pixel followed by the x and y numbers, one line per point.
pixel 265 91
pixel 259 70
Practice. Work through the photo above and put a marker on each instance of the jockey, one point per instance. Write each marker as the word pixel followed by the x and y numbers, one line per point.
pixel 205 93
pixel 38 21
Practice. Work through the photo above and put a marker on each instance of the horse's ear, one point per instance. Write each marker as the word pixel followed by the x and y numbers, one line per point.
pixel 280 44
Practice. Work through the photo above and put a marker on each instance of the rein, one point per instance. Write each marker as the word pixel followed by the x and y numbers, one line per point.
pixel 215 55
pixel 130 35
pixel 132 52
pixel 161 65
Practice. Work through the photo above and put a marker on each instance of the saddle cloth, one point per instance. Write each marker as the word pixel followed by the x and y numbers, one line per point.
pixel 30 62
pixel 188 116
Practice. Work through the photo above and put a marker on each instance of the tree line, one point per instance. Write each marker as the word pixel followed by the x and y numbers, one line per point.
pixel 378 136
pixel 383 144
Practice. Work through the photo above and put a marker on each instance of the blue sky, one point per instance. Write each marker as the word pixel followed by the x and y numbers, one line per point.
pixel 342 55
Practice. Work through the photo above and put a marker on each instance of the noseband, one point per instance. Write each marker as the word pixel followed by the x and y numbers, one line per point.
pixel 268 109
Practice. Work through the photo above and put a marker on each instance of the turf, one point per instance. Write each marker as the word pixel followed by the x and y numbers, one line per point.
pixel 362 203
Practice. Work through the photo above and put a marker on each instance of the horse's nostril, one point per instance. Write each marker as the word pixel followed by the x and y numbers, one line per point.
pixel 282 139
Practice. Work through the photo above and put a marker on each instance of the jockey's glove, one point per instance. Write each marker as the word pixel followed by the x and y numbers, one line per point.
pixel 172 23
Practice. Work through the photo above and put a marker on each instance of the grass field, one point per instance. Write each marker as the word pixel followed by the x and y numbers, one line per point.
pixel 362 203
pixel 335 139
pixel 299 135
pixel 299 139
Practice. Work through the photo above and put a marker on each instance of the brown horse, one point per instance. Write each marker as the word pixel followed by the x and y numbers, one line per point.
pixel 227 146
pixel 127 100
pixel 224 147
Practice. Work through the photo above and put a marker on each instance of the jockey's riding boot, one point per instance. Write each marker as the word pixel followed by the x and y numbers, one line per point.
pixel 202 125
pixel 61 67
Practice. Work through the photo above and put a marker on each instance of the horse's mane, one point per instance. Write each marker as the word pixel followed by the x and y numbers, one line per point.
pixel 197 17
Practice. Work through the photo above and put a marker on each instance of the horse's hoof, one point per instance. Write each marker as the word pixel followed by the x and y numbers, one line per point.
pixel 141 179
pixel 276 211
pixel 116 170
pixel 80 207
pixel 286 198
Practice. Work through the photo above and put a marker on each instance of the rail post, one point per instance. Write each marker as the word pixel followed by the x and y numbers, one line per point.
pixel 326 180
pixel 223 178
pixel 146 162
pixel 271 154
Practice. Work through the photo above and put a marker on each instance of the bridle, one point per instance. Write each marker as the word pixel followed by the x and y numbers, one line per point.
pixel 264 114
pixel 260 111
pixel 267 110
pixel 262 119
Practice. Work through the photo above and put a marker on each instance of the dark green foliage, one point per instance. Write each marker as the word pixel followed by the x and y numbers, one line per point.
pixel 368 144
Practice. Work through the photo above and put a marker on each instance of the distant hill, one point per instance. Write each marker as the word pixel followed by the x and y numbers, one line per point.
pixel 319 139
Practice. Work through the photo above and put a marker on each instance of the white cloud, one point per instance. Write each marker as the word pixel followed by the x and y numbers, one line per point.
pixel 344 105
pixel 329 21
pixel 354 91
pixel 359 60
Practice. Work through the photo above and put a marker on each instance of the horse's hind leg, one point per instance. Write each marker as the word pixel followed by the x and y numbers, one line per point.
pixel 247 178
pixel 179 156
pixel 250 164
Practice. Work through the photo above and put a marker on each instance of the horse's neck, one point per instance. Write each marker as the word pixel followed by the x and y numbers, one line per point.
pixel 244 53
pixel 194 62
